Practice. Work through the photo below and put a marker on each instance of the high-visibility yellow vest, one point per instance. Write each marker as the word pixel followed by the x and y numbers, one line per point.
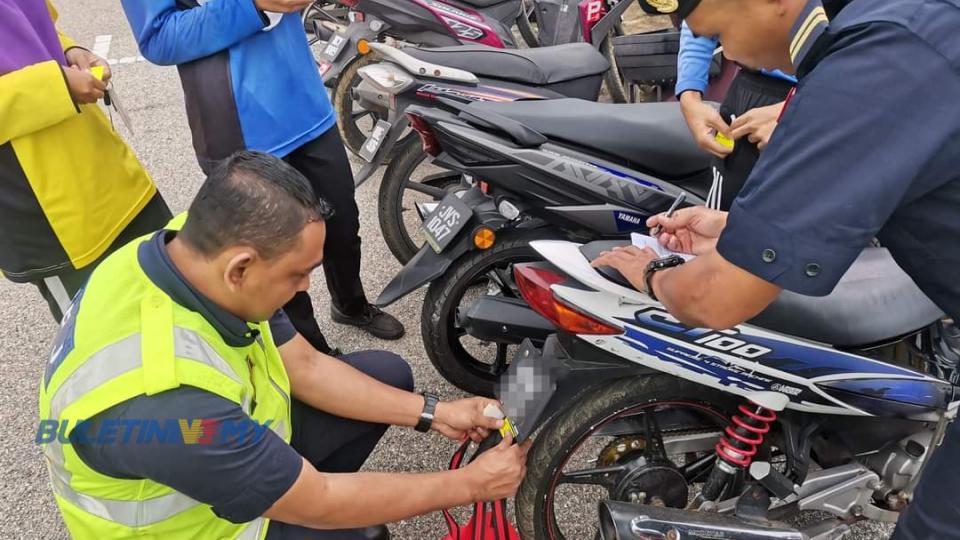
pixel 122 338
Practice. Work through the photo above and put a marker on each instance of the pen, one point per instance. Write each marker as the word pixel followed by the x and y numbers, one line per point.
pixel 654 232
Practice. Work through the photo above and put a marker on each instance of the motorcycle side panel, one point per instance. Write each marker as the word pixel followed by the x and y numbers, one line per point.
pixel 743 360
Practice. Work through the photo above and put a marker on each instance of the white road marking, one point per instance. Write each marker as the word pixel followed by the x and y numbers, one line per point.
pixel 101 45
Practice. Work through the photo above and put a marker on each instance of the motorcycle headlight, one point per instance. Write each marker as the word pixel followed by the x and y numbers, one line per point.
pixel 386 78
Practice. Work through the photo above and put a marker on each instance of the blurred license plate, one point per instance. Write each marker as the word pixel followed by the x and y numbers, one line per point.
pixel 332 50
pixel 443 224
pixel 379 133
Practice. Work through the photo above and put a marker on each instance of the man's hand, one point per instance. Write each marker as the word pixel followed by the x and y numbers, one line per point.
pixel 497 473
pixel 282 6
pixel 630 261
pixel 464 418
pixel 704 122
pixel 757 124
pixel 83 59
pixel 694 230
pixel 83 86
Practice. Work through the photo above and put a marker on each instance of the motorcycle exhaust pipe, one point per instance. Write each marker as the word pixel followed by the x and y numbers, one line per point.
pixel 504 320
pixel 626 521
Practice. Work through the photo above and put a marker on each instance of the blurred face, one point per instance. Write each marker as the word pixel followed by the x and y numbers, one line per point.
pixel 755 33
pixel 260 287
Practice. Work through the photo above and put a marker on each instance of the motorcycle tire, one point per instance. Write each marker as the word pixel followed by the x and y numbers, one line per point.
pixel 560 438
pixel 618 87
pixel 525 26
pixel 343 103
pixel 390 211
pixel 443 297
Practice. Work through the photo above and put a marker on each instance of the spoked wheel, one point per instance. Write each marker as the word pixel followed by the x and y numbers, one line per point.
pixel 356 121
pixel 468 363
pixel 637 440
pixel 411 178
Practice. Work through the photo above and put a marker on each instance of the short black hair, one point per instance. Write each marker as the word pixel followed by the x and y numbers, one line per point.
pixel 252 199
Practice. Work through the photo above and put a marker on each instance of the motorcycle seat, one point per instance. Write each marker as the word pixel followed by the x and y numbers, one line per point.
pixel 874 301
pixel 482 3
pixel 650 136
pixel 541 66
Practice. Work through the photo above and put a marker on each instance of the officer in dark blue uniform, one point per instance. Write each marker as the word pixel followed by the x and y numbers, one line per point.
pixel 869 147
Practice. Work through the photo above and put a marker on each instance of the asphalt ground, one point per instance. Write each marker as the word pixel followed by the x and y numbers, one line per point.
pixel 161 140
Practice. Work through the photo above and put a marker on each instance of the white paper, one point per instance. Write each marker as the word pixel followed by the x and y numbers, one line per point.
pixel 644 241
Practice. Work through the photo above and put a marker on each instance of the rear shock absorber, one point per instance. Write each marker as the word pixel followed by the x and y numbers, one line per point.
pixel 741 441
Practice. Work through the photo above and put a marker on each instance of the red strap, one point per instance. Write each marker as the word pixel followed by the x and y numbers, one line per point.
pixel 480 521
pixel 500 524
pixel 455 463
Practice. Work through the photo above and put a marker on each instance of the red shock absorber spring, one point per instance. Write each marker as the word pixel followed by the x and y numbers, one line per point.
pixel 745 436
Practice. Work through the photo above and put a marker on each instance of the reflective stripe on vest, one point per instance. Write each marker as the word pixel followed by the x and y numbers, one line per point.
pixel 107 364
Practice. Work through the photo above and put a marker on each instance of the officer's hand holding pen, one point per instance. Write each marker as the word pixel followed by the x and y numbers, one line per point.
pixel 694 230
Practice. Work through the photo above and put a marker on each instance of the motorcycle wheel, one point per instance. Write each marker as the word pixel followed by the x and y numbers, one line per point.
pixel 571 451
pixel 618 87
pixel 409 178
pixel 353 121
pixel 525 22
pixel 459 358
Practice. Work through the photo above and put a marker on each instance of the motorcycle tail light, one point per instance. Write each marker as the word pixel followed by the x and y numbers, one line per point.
pixel 427 137
pixel 534 283
pixel 591 11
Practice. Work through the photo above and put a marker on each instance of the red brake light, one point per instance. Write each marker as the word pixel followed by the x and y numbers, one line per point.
pixel 534 284
pixel 427 138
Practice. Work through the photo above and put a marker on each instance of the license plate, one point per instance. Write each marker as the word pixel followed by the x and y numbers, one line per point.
pixel 333 47
pixel 442 226
pixel 379 133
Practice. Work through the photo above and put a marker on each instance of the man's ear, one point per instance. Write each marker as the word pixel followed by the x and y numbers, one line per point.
pixel 238 267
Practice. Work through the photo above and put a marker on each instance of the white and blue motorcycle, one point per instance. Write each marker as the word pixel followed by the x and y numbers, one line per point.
pixel 827 404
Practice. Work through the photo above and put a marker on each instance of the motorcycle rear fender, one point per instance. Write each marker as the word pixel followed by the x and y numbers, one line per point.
pixel 428 265
pixel 575 371
pixel 356 31
pixel 398 122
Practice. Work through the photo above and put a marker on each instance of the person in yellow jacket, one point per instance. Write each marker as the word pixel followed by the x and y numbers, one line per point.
pixel 180 403
pixel 71 191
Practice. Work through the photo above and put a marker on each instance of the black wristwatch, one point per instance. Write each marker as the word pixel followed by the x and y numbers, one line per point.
pixel 429 409
pixel 657 265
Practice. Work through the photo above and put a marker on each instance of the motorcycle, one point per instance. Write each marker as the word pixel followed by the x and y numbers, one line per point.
pixel 563 168
pixel 829 404
pixel 432 23
pixel 461 74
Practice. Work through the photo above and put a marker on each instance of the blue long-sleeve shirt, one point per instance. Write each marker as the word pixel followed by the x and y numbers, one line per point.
pixel 245 88
pixel 693 62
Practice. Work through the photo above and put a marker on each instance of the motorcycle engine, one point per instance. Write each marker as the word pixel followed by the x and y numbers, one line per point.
pixel 898 463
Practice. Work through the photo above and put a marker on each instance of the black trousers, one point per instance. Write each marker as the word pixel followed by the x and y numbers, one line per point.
pixel 325 164
pixel 935 510
pixel 58 290
pixel 748 91
pixel 338 445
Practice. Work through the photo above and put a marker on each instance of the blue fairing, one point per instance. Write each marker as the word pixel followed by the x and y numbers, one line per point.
pixel 928 394
pixel 810 362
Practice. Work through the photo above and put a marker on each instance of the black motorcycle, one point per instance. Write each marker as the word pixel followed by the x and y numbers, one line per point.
pixel 448 78
pixel 536 170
